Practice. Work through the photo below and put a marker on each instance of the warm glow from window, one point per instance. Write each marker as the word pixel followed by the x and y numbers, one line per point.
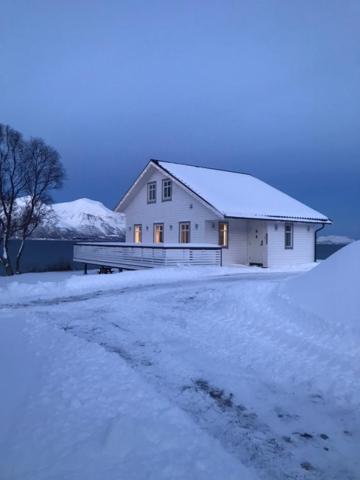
pixel 158 233
pixel 137 233
pixel 223 234
pixel 184 230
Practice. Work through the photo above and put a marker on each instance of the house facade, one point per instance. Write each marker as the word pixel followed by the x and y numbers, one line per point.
pixel 253 223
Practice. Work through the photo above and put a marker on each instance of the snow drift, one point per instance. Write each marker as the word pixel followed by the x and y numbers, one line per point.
pixel 331 290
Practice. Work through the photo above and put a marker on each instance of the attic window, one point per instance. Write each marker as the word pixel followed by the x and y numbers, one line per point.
pixel 151 192
pixel 289 235
pixel 166 190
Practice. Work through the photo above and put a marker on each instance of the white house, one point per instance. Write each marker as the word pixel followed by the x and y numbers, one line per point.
pixel 187 214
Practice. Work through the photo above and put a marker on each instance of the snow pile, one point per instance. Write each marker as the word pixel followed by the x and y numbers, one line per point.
pixel 82 218
pixel 331 290
pixel 334 240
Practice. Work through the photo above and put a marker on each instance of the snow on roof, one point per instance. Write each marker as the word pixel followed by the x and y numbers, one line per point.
pixel 240 195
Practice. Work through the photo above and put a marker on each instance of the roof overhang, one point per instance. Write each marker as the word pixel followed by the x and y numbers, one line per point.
pixel 280 218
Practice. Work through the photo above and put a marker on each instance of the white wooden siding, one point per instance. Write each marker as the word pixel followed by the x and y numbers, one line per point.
pixel 303 244
pixel 182 208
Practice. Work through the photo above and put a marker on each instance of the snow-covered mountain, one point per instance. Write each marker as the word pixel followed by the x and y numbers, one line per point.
pixel 334 240
pixel 82 218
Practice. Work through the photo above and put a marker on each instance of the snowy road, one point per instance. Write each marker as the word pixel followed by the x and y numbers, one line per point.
pixel 193 378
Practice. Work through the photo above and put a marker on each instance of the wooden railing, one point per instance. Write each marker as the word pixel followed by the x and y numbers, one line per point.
pixel 133 257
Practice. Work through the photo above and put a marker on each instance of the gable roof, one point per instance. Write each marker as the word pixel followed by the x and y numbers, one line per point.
pixel 240 195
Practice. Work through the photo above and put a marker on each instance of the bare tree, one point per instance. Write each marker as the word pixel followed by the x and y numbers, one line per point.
pixel 43 172
pixel 28 172
pixel 12 183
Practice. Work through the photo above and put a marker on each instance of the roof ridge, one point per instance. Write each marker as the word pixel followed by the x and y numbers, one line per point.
pixel 200 166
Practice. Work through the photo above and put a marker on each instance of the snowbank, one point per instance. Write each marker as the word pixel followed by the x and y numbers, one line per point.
pixel 34 286
pixel 332 289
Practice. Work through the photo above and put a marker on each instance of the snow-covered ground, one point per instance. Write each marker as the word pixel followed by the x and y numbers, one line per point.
pixel 189 373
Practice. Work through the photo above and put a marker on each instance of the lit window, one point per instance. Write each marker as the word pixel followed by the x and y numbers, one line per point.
pixel 166 189
pixel 158 233
pixel 289 235
pixel 137 233
pixel 223 234
pixel 151 192
pixel 184 232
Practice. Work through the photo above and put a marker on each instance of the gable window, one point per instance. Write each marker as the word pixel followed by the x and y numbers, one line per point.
pixel 224 234
pixel 151 192
pixel 137 233
pixel 289 235
pixel 184 232
pixel 166 189
pixel 158 233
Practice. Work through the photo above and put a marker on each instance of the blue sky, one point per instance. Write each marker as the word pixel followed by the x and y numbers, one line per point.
pixel 267 87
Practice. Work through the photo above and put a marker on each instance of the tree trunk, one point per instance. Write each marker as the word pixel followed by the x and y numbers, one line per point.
pixel 5 259
pixel 18 256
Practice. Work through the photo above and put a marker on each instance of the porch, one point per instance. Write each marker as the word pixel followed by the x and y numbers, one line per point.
pixel 130 256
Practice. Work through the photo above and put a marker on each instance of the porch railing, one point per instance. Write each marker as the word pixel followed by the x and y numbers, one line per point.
pixel 132 257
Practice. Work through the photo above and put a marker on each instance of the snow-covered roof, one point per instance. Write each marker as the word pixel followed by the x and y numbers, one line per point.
pixel 240 195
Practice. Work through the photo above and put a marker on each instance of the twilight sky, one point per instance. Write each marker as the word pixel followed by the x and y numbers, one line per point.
pixel 268 87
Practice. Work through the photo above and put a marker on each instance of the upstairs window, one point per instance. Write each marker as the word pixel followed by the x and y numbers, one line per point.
pixel 184 232
pixel 289 235
pixel 137 233
pixel 224 234
pixel 166 189
pixel 158 233
pixel 151 192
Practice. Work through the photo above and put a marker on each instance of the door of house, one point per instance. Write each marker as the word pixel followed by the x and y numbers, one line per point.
pixel 257 243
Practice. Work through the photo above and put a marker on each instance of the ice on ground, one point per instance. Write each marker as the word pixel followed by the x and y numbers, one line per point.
pixel 70 410
pixel 332 290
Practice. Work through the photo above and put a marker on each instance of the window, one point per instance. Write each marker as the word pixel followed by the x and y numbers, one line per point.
pixel 158 233
pixel 289 235
pixel 223 234
pixel 184 232
pixel 137 233
pixel 151 192
pixel 166 189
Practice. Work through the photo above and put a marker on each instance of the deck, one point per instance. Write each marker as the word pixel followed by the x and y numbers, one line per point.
pixel 131 256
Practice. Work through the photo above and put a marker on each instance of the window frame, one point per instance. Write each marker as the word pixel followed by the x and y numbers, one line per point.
pixel 140 231
pixel 164 180
pixel 226 245
pixel 149 185
pixel 154 232
pixel 291 245
pixel 188 224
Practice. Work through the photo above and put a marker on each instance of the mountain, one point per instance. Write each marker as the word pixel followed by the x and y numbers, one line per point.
pixel 334 240
pixel 82 219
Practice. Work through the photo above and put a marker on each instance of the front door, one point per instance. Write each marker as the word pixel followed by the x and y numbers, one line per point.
pixel 257 243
